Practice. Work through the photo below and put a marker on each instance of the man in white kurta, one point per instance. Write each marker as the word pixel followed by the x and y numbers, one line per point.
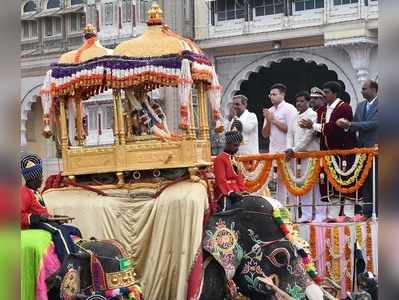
pixel 249 121
pixel 275 126
pixel 301 140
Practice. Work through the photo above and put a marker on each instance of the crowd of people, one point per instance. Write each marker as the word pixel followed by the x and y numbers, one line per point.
pixel 320 120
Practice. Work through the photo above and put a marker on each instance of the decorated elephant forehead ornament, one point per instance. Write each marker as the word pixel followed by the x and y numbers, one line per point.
pixel 222 242
pixel 225 238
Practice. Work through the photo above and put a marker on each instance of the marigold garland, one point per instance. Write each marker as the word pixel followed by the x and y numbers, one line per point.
pixel 329 163
pixel 327 252
pixel 335 180
pixel 309 154
pixel 282 218
pixel 259 182
pixel 359 235
pixel 312 242
pixel 369 249
pixel 358 158
pixel 348 252
pixel 310 181
pixel 336 264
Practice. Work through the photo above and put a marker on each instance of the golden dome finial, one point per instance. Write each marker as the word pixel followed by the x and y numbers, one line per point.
pixel 155 15
pixel 89 29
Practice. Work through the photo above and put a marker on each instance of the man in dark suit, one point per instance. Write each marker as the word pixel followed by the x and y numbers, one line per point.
pixel 365 125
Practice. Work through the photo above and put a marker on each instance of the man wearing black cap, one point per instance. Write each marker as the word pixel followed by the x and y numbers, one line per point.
pixel 229 181
pixel 34 213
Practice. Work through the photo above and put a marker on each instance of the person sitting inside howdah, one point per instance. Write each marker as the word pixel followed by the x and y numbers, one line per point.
pixel 34 214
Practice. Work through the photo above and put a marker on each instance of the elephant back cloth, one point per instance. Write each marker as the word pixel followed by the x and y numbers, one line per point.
pixel 102 268
pixel 248 243
pixel 162 233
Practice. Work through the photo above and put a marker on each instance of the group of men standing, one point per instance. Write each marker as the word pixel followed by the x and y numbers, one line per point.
pixel 320 120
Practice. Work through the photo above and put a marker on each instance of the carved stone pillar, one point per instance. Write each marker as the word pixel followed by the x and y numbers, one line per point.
pixel 23 133
pixel 359 55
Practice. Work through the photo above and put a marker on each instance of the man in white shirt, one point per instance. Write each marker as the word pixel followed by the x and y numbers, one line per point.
pixel 299 140
pixel 275 126
pixel 249 121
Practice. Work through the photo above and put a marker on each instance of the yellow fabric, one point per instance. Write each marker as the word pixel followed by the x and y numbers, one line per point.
pixel 162 234
pixel 153 42
pixel 97 50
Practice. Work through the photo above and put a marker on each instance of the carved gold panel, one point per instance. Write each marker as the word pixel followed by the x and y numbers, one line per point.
pixel 141 155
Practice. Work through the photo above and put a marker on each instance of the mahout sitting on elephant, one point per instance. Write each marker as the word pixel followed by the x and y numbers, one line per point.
pixel 34 213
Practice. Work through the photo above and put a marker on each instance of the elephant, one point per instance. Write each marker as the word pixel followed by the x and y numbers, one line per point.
pixel 100 270
pixel 245 243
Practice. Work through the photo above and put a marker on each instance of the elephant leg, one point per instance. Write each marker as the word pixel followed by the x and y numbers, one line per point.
pixel 214 285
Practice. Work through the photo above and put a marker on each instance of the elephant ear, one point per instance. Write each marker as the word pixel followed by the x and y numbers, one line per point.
pixel 221 241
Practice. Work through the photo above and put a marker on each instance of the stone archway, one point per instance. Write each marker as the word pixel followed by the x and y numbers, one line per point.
pixel 234 85
pixel 27 100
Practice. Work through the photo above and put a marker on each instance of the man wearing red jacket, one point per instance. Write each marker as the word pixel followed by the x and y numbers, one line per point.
pixel 229 181
pixel 332 137
pixel 34 214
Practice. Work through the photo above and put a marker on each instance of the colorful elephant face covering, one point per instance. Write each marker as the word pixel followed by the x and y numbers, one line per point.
pixel 221 241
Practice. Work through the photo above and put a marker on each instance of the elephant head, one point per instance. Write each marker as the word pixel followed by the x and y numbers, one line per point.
pixel 101 269
pixel 248 244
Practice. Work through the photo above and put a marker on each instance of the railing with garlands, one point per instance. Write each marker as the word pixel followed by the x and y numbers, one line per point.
pixel 344 170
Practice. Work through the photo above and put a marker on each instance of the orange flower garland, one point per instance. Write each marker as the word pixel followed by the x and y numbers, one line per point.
pixel 328 256
pixel 251 162
pixel 359 183
pixel 359 235
pixel 348 252
pixel 309 154
pixel 309 182
pixel 312 243
pixel 259 182
pixel 336 257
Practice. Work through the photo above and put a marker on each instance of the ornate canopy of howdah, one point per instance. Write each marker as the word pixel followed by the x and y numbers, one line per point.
pixel 142 140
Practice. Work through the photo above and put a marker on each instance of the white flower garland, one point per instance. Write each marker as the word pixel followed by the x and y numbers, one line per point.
pixel 301 180
pixel 254 174
pixel 358 158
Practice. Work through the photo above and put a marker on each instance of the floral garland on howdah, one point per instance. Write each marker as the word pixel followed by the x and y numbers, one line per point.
pixel 281 217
